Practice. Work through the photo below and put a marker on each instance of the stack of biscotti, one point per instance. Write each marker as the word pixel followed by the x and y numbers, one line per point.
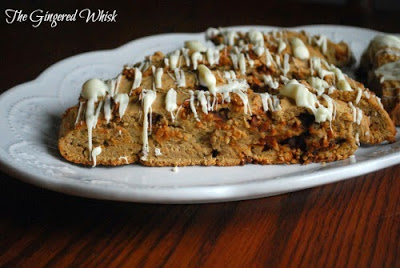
pixel 255 97
pixel 381 62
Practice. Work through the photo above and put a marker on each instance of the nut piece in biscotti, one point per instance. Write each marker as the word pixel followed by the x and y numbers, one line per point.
pixel 225 105
pixel 381 62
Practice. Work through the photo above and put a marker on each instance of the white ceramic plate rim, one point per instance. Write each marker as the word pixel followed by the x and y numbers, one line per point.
pixel 213 192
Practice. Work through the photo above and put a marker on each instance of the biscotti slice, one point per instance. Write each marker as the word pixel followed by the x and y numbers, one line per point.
pixel 381 62
pixel 250 128
pixel 225 105
pixel 265 71
pixel 325 78
pixel 285 41
pixel 197 115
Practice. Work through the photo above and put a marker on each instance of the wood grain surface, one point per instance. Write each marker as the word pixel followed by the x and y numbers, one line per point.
pixel 353 223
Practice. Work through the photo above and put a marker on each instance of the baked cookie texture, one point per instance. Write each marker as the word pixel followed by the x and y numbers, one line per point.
pixel 381 63
pixel 265 98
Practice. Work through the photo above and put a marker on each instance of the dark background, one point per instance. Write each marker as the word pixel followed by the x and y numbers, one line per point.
pixel 350 223
pixel 34 49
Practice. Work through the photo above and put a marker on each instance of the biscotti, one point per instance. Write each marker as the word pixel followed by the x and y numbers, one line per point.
pixel 226 105
pixel 381 62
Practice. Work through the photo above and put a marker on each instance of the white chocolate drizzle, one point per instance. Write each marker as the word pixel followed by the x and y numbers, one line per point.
pixel 212 56
pixel 235 50
pixel 357 138
pixel 234 58
pixel 379 101
pixel 270 82
pixel 180 77
pixel 195 45
pixel 389 71
pixel 243 96
pixel 207 79
pixel 304 98
pixel 341 83
pixel 117 84
pixel 175 169
pixel 144 65
pixel 78 116
pixel 359 116
pixel 315 64
pixel 331 89
pixel 211 32
pixel 230 75
pixel 258 50
pixel 286 67
pixel 281 46
pixel 220 47
pixel 185 53
pixel 268 58
pixel 107 108
pixel 233 86
pixel 148 97
pixel 353 111
pixel 111 86
pixel 94 88
pixel 123 158
pixel 276 103
pixel 390 51
pixel 250 61
pixel 322 42
pixel 359 94
pixel 241 44
pixel 256 37
pixel 270 102
pixel 242 63
pixel 318 84
pixel 383 41
pixel 196 56
pixel 300 50
pixel 229 37
pixel 173 59
pixel 123 100
pixel 284 79
pixel 357 113
pixel 170 102
pixel 95 152
pixel 331 107
pixel 157 74
pixel 157 151
pixel 91 90
pixel 137 80
pixel 192 106
pixel 200 95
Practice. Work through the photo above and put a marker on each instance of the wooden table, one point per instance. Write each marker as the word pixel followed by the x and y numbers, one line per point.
pixel 354 223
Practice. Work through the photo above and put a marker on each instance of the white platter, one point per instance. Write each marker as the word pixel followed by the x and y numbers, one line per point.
pixel 31 115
